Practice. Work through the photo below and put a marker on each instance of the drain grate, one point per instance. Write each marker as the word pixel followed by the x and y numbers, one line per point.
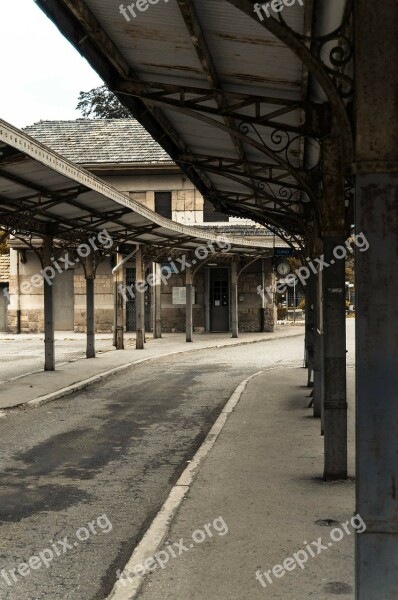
pixel 326 522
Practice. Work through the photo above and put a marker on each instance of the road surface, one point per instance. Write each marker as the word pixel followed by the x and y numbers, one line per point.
pixel 99 465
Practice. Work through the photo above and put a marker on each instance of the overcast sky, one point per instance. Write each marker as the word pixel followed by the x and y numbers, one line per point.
pixel 41 73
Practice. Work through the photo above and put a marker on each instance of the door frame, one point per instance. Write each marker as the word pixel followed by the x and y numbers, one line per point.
pixel 208 270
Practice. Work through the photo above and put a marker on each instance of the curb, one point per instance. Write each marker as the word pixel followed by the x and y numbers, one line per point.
pixel 85 383
pixel 160 526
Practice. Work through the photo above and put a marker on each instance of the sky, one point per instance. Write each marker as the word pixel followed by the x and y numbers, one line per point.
pixel 41 73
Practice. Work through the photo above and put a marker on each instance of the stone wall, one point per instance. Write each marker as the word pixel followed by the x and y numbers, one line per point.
pixel 173 316
pixel 104 302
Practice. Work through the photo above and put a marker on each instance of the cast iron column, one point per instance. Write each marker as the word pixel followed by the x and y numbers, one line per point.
pixel 188 304
pixel 376 295
pixel 318 348
pixel 140 299
pixel 157 296
pixel 90 306
pixel 334 415
pixel 119 304
pixel 49 361
pixel 310 297
pixel 234 299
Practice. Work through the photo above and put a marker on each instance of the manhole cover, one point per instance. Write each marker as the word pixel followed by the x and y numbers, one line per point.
pixel 338 588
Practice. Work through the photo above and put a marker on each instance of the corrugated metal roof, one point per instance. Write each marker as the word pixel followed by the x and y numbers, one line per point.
pixel 39 188
pixel 228 52
pixel 100 141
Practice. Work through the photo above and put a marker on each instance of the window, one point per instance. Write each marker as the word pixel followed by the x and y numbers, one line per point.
pixel 163 204
pixel 210 215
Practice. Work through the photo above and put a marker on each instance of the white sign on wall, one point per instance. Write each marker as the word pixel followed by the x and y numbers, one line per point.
pixel 180 295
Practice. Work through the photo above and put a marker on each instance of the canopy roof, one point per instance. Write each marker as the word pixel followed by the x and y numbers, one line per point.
pixel 42 193
pixel 226 92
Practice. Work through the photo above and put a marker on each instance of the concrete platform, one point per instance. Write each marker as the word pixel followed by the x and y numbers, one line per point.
pixel 263 478
pixel 37 388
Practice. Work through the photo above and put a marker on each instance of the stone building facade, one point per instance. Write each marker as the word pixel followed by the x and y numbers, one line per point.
pixel 122 153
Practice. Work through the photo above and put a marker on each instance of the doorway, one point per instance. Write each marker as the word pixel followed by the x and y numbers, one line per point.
pixel 219 299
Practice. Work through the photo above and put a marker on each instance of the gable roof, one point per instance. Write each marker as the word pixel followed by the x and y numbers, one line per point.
pixel 100 141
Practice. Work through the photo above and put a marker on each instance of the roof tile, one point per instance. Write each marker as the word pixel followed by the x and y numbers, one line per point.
pixel 100 141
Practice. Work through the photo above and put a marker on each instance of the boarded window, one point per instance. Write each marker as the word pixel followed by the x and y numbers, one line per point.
pixel 211 215
pixel 163 204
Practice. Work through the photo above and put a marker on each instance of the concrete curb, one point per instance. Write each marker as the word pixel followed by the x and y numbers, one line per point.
pixel 160 526
pixel 85 383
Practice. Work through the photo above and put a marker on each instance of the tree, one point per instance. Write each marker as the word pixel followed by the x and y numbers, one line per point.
pixel 101 103
pixel 3 243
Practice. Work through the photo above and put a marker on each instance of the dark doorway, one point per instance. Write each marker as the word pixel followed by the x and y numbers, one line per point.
pixel 131 319
pixel 219 299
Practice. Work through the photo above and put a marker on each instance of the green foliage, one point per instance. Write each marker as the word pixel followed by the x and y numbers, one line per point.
pixel 3 245
pixel 101 103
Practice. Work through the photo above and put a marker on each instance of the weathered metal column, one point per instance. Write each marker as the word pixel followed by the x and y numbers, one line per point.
pixel 376 298
pixel 140 299
pixel 157 297
pixel 234 299
pixel 119 301
pixel 318 348
pixel 334 415
pixel 310 298
pixel 188 304
pixel 90 306
pixel 49 361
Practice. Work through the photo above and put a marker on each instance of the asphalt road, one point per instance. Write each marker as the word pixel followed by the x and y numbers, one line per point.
pixel 108 456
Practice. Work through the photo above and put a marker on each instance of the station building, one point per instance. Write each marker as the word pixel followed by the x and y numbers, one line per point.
pixel 121 152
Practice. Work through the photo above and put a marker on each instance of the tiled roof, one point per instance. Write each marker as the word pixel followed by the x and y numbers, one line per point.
pixel 4 268
pixel 100 141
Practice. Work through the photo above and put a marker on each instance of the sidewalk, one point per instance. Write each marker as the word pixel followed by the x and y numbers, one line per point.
pixel 39 387
pixel 263 477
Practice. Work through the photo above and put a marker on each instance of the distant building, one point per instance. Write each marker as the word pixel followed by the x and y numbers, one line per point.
pixel 121 152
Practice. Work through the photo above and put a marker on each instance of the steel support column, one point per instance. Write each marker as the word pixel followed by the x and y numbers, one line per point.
pixel 334 416
pixel 119 305
pixel 90 307
pixel 188 304
pixel 157 298
pixel 376 298
pixel 318 348
pixel 310 299
pixel 49 361
pixel 234 299
pixel 140 299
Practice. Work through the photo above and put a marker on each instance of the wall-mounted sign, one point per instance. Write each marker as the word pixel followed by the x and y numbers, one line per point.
pixel 283 251
pixel 180 295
